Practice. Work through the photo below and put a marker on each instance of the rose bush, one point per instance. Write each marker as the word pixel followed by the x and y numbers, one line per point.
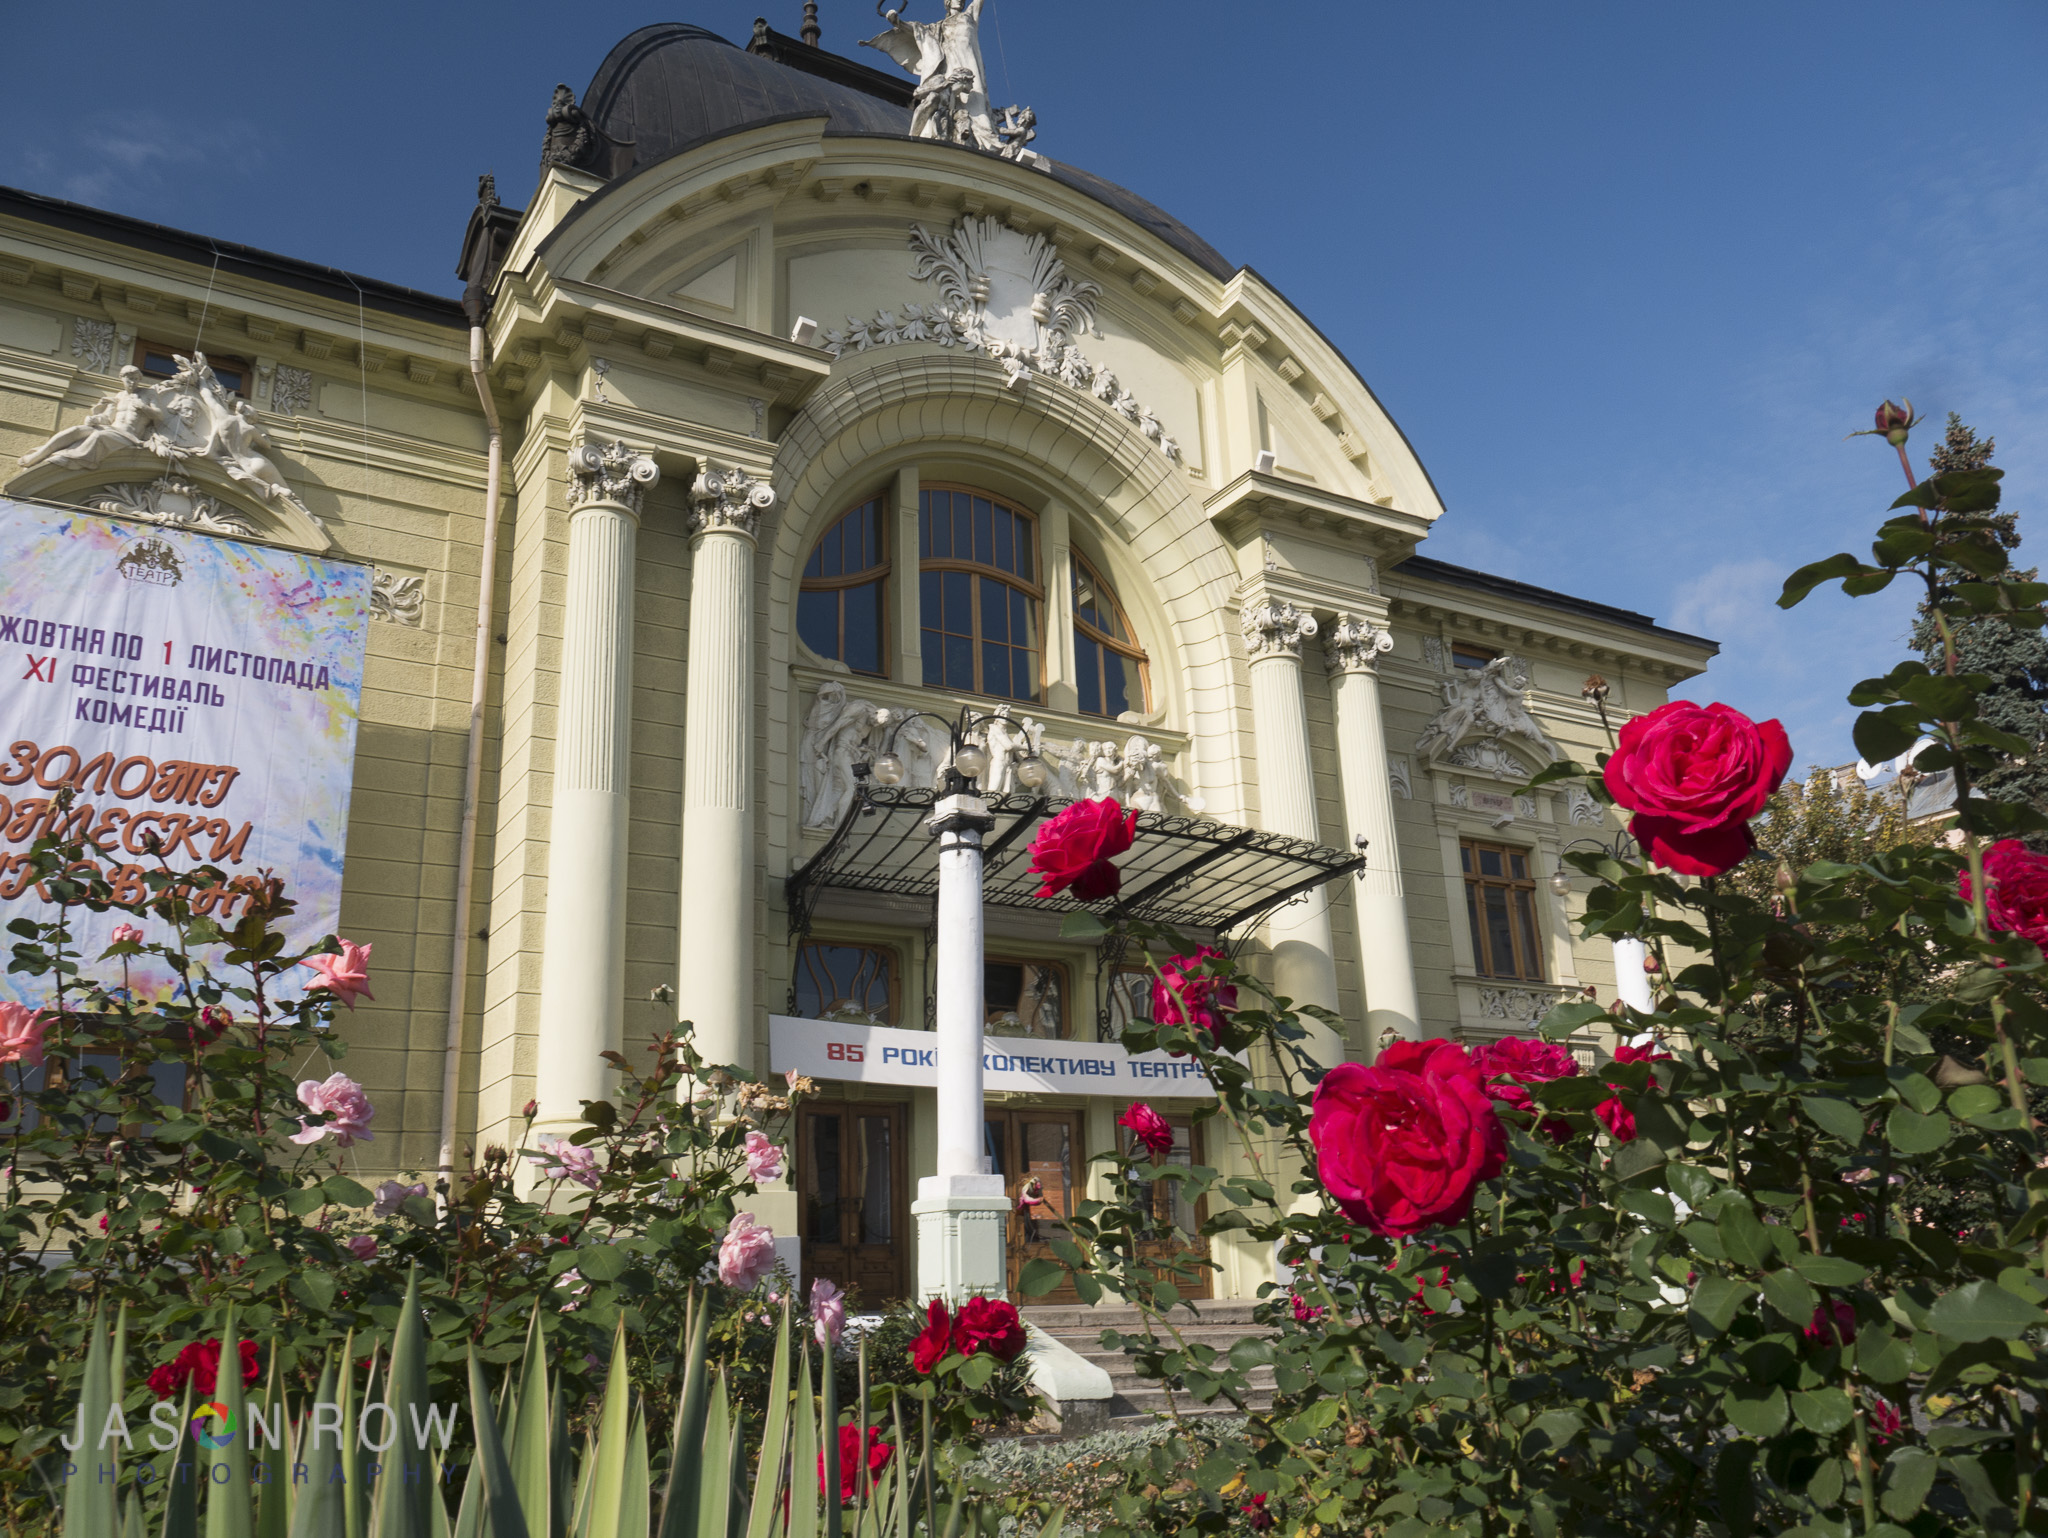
pixel 1704 1309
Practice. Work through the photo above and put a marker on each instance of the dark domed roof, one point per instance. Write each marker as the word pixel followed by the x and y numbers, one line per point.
pixel 671 86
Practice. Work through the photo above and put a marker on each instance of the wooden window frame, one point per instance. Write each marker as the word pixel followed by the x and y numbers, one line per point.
pixel 881 574
pixel 1130 649
pixel 1530 968
pixel 237 365
pixel 895 959
pixel 1480 655
pixel 1033 588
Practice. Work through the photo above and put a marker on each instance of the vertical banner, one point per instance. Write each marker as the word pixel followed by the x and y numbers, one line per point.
pixel 197 692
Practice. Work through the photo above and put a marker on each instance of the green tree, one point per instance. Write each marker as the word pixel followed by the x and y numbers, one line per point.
pixel 2014 657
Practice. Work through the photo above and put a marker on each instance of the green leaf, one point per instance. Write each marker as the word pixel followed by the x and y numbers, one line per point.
pixel 1654 1206
pixel 1081 924
pixel 1743 1237
pixel 1734 1488
pixel 1881 734
pixel 977 1370
pixel 1837 1118
pixel 1789 1294
pixel 1912 1133
pixel 1822 1411
pixel 1039 1276
pixel 315 1287
pixel 402 1504
pixel 602 1262
pixel 1759 1411
pixel 1908 1477
pixel 1715 1302
pixel 344 1192
pixel 1983 1311
pixel 1807 578
pixel 1828 1270
pixel 1975 1100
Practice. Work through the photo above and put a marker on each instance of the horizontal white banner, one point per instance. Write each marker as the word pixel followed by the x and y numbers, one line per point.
pixel 880 1054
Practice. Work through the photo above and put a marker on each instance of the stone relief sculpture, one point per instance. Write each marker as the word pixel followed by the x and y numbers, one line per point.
pixel 1399 776
pixel 1522 1006
pixel 398 599
pixel 172 500
pixel 292 393
pixel 1008 297
pixel 951 99
pixel 1580 807
pixel 1486 705
pixel 190 416
pixel 1433 652
pixel 840 731
pixel 92 342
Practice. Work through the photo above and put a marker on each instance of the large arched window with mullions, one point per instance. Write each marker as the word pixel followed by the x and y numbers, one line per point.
pixel 1109 664
pixel 979 593
pixel 841 605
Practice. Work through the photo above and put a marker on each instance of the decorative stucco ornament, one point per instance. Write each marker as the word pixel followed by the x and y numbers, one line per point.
pixel 610 473
pixel 1484 703
pixel 398 599
pixel 190 416
pixel 1273 627
pixel 1010 286
pixel 951 99
pixel 729 499
pixel 1355 645
pixel 172 500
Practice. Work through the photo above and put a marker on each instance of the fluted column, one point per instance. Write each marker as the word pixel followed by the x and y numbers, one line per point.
pixel 715 978
pixel 1353 650
pixel 1304 959
pixel 583 966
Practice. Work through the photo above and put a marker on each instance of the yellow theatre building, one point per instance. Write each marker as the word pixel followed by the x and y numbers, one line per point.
pixel 805 404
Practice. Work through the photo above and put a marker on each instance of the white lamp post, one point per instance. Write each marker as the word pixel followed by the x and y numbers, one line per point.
pixel 962 1211
pixel 1631 982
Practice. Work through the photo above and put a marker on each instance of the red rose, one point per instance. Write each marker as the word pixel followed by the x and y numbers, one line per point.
pixel 1186 993
pixel 1511 1064
pixel 1149 1128
pixel 935 1340
pixel 199 1364
pixel 1074 849
pixel 168 1379
pixel 850 1461
pixel 1262 1520
pixel 1404 1144
pixel 1694 778
pixel 1832 1324
pixel 2015 890
pixel 1616 1117
pixel 989 1324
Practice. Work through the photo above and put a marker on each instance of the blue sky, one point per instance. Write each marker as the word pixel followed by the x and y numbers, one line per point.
pixel 1626 273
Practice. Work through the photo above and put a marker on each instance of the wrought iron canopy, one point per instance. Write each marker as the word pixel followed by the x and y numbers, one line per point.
pixel 1185 871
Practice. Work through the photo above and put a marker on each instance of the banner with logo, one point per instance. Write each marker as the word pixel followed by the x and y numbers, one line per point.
pixel 199 695
pixel 881 1054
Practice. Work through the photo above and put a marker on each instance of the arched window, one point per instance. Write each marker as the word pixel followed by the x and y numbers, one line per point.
pixel 1109 665
pixel 839 608
pixel 978 593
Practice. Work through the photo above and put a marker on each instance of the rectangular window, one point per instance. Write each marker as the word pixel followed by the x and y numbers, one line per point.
pixel 1025 998
pixel 1463 656
pixel 1500 905
pixel 978 595
pixel 159 360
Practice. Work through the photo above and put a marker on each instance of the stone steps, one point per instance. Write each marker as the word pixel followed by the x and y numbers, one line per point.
pixel 1136 1400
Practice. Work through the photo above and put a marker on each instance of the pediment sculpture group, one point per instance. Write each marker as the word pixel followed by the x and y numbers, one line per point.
pixel 840 732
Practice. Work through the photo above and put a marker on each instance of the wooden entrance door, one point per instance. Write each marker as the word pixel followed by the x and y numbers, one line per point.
pixel 856 1208
pixel 1038 1151
pixel 1176 1222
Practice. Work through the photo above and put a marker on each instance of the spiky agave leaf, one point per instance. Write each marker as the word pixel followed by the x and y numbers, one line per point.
pixel 498 1510
pixel 769 1483
pixel 91 1505
pixel 321 1507
pixel 611 1454
pixel 402 1502
pixel 688 1475
pixel 229 1513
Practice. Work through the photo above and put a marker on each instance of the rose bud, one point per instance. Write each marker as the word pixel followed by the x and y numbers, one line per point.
pixel 1895 421
pixel 529 1108
pixel 1651 964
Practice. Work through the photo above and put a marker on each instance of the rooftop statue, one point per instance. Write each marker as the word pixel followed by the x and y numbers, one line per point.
pixel 951 100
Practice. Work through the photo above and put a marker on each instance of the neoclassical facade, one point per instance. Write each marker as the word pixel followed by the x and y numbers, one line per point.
pixel 817 406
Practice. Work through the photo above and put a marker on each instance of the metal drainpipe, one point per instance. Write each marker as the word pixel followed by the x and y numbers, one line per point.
pixel 473 766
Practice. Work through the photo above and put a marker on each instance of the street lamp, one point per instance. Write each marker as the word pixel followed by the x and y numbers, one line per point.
pixel 1630 980
pixel 962 1211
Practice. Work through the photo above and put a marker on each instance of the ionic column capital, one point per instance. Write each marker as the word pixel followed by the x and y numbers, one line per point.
pixel 1355 645
pixel 610 473
pixel 729 500
pixel 1273 627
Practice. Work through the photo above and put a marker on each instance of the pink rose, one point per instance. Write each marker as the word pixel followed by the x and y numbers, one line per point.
pixel 746 1253
pixel 764 1158
pixel 1403 1145
pixel 127 934
pixel 391 1196
pixel 1694 778
pixel 342 1100
pixel 828 1312
pixel 563 1160
pixel 1186 993
pixel 2015 890
pixel 21 1034
pixel 1074 849
pixel 344 974
pixel 362 1246
pixel 1149 1128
